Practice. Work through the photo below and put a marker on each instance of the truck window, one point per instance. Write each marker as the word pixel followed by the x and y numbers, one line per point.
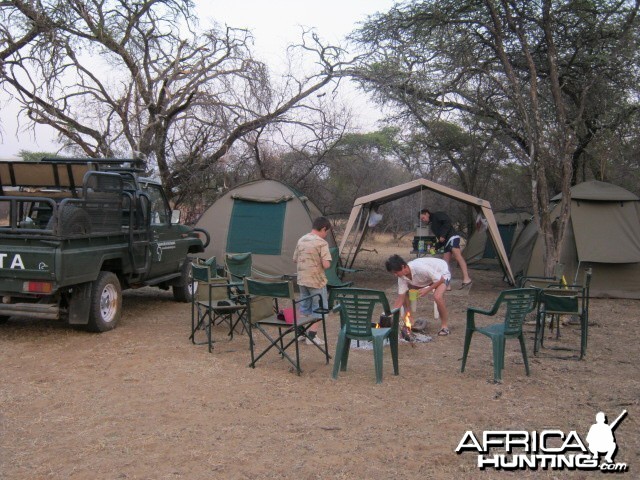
pixel 160 211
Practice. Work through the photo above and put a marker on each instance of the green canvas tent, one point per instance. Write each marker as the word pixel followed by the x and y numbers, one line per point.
pixel 264 217
pixel 603 232
pixel 480 249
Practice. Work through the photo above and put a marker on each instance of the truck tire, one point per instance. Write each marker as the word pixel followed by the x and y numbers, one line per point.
pixel 4 319
pixel 183 291
pixel 106 303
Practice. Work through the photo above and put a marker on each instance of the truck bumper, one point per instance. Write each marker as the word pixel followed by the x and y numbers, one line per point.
pixel 30 310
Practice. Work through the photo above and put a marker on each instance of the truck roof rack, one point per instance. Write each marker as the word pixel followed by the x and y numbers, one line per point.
pixel 61 172
pixel 120 164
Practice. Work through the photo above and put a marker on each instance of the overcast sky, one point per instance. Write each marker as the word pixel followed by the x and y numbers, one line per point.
pixel 274 24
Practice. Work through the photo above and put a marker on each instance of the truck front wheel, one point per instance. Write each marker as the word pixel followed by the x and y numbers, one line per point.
pixel 106 303
pixel 183 292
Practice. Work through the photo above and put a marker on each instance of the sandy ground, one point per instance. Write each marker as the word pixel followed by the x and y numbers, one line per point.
pixel 143 402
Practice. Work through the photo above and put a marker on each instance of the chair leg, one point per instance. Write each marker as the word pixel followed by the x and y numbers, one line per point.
pixel 542 327
pixel 326 341
pixel 393 346
pixel 498 357
pixel 251 347
pixel 298 369
pixel 209 328
pixel 378 343
pixel 584 325
pixel 345 354
pixel 340 345
pixel 537 338
pixel 467 343
pixel 524 353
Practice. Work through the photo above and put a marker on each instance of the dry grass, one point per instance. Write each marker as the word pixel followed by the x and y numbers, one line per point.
pixel 143 402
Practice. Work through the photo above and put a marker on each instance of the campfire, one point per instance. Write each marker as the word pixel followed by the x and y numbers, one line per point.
pixel 405 331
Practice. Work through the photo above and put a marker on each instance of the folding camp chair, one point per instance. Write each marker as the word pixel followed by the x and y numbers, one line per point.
pixel 335 272
pixel 558 300
pixel 212 304
pixel 240 265
pixel 518 303
pixel 265 301
pixel 211 262
pixel 356 317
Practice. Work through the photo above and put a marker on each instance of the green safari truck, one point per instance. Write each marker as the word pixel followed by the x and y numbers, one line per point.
pixel 75 232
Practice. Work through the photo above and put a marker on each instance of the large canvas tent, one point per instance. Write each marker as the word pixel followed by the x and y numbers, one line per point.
pixel 480 248
pixel 365 206
pixel 603 233
pixel 264 217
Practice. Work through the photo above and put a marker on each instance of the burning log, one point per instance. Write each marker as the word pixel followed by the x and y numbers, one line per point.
pixel 405 331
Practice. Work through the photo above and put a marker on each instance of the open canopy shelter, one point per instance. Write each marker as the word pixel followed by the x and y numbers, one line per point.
pixel 363 207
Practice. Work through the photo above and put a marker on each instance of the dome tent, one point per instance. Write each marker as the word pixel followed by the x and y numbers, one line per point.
pixel 603 233
pixel 264 217
pixel 480 249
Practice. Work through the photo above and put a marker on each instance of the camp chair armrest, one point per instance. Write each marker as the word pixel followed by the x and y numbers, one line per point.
pixel 489 313
pixel 322 309
pixel 259 273
pixel 570 291
pixel 523 281
pixel 472 311
pixel 349 270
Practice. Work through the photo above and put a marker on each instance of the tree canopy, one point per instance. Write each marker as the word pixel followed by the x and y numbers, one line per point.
pixel 548 78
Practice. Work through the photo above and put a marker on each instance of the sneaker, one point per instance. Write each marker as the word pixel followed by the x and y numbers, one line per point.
pixel 316 340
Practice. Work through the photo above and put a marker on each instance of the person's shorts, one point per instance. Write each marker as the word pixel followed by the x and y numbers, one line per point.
pixel 453 242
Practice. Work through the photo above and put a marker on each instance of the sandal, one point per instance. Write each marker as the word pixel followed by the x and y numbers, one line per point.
pixel 443 332
pixel 464 285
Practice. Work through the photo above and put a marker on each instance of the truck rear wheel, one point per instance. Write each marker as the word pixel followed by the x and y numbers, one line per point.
pixel 106 303
pixel 183 292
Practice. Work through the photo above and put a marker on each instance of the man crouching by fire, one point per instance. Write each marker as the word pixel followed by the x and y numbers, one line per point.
pixel 426 275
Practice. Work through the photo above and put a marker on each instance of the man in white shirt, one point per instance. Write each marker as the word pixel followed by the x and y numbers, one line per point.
pixel 426 275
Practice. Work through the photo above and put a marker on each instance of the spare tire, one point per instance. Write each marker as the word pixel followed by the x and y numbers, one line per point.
pixel 72 220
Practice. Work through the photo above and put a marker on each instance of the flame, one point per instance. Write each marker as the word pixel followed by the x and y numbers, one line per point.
pixel 377 325
pixel 407 321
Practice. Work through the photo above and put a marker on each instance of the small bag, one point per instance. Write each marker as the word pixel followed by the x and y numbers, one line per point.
pixel 286 314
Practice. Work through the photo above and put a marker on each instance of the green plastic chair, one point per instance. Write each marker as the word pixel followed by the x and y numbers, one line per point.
pixel 518 303
pixel 555 301
pixel 356 306
pixel 335 272
pixel 264 306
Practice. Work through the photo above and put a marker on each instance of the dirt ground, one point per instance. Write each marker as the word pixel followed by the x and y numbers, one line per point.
pixel 142 402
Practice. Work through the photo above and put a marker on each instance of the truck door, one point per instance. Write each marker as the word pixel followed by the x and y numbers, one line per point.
pixel 166 251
